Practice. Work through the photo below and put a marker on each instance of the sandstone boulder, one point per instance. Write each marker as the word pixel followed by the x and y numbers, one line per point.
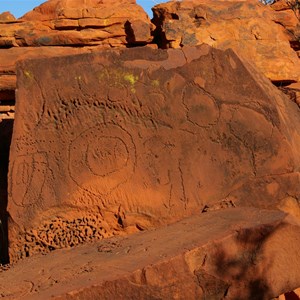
pixel 287 14
pixel 79 23
pixel 7 17
pixel 248 27
pixel 293 91
pixel 120 141
pixel 236 253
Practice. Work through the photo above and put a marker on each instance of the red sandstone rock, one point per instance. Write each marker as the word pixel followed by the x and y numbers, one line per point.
pixel 248 27
pixel 79 23
pixel 63 23
pixel 121 141
pixel 293 91
pixel 241 253
pixel 291 295
pixel 9 58
pixel 287 15
pixel 7 17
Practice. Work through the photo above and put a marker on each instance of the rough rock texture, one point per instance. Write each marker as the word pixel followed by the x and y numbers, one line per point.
pixel 246 26
pixel 291 295
pixel 131 139
pixel 60 27
pixel 7 17
pixel 9 58
pixel 293 91
pixel 79 23
pixel 287 14
pixel 238 253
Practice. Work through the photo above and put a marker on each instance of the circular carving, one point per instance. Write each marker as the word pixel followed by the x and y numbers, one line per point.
pixel 102 158
pixel 110 153
pixel 28 175
pixel 201 108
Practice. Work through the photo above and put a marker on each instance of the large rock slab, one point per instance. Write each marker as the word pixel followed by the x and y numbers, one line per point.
pixel 253 30
pixel 240 253
pixel 121 141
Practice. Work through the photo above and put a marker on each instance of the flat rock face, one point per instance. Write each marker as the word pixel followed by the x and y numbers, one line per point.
pixel 250 28
pixel 121 141
pixel 243 253
pixel 9 58
pixel 61 27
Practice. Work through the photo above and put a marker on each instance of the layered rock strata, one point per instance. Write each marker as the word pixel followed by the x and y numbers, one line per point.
pixel 252 29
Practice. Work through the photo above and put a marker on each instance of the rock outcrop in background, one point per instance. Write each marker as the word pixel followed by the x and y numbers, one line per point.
pixel 111 141
pixel 248 27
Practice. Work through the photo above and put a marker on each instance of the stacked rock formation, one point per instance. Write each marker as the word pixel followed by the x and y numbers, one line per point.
pixel 287 15
pixel 248 27
pixel 112 141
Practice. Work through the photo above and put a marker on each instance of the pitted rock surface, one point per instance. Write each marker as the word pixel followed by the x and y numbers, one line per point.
pixel 121 141
pixel 253 30
pixel 240 253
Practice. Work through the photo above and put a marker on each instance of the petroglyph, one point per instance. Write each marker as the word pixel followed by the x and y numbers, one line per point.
pixel 159 141
pixel 29 172
pixel 102 158
pixel 201 108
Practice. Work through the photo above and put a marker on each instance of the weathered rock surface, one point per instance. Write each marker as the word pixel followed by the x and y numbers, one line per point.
pixel 291 295
pixel 293 91
pixel 79 23
pixel 248 27
pixel 7 17
pixel 241 253
pixel 136 138
pixel 9 58
pixel 287 15
pixel 60 27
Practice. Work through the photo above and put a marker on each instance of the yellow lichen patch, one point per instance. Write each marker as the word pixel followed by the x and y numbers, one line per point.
pixel 131 78
pixel 117 78
pixel 133 90
pixel 155 83
pixel 28 74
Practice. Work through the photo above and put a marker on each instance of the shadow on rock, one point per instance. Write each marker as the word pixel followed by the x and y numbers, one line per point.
pixel 6 127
